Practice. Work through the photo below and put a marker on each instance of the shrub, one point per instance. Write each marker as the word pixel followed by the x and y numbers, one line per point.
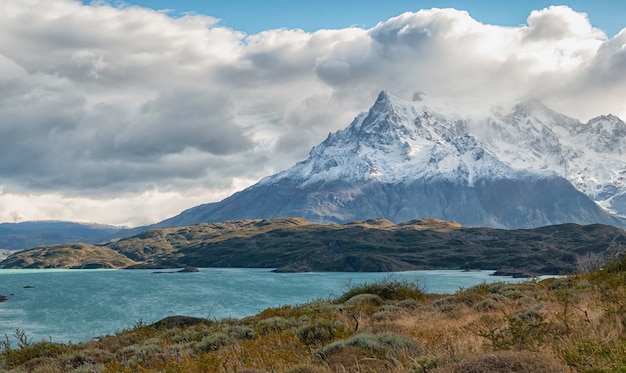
pixel 444 304
pixel 384 344
pixel 561 284
pixel 408 303
pixel 387 313
pixel 424 364
pixel 179 322
pixel 365 299
pixel 240 332
pixel 502 290
pixel 275 324
pixel 525 330
pixel 319 332
pixel 485 305
pixel 214 342
pixel 27 350
pixel 387 289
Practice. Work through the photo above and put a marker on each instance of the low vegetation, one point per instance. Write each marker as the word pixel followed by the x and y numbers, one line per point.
pixel 567 324
pixel 296 245
pixel 75 256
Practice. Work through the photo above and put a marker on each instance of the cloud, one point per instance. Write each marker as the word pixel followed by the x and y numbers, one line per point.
pixel 135 114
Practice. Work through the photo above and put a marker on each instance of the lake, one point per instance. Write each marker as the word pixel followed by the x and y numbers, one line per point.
pixel 77 305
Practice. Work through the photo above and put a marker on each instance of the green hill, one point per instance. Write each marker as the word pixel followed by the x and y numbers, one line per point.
pixel 293 244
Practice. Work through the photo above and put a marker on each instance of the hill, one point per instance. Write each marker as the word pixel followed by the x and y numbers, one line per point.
pixel 295 244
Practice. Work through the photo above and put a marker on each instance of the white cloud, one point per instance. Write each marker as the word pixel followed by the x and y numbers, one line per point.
pixel 126 210
pixel 129 115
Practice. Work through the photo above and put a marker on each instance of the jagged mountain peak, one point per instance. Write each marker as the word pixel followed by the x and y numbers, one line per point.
pixel 528 106
pixel 605 134
pixel 388 113
pixel 535 113
pixel 403 160
pixel 398 141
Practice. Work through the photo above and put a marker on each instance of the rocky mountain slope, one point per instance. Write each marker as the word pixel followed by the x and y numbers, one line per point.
pixel 591 155
pixel 404 160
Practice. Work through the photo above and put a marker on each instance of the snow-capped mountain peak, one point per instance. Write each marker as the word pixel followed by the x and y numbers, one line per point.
pixel 398 141
pixel 402 160
pixel 590 155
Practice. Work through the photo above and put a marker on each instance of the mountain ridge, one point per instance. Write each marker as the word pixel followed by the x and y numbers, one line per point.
pixel 403 160
pixel 419 148
pixel 23 235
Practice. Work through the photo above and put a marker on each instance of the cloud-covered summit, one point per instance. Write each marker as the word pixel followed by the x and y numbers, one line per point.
pixel 127 115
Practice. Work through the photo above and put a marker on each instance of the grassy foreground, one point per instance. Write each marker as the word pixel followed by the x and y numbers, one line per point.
pixel 571 324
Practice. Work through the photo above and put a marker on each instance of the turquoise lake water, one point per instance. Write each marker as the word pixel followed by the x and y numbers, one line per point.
pixel 77 305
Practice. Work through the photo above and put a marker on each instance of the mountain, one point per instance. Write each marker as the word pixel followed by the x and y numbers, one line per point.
pixel 17 236
pixel 592 155
pixel 404 160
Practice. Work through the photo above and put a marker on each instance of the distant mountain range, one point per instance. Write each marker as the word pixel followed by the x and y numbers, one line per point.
pixel 17 236
pixel 404 160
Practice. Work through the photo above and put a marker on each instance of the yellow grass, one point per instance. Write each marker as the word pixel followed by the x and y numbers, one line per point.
pixel 573 324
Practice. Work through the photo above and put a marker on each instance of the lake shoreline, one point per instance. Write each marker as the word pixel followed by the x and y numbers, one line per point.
pixel 79 305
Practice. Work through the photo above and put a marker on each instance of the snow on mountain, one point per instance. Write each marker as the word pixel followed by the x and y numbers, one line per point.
pixel 404 160
pixel 592 156
pixel 398 141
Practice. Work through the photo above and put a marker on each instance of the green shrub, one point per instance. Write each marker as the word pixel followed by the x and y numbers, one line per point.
pixel 275 324
pixel 365 299
pixel 387 289
pixel 503 290
pixel 485 305
pixel 526 330
pixel 483 288
pixel 214 342
pixel 240 332
pixel 384 344
pixel 27 350
pixel 320 332
pixel 408 303
pixel 561 284
pixel 387 313
pixel 424 364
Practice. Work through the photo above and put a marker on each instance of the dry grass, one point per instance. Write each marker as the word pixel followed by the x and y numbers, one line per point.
pixel 573 324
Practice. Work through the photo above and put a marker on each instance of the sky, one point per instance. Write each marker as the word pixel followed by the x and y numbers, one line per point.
pixel 127 113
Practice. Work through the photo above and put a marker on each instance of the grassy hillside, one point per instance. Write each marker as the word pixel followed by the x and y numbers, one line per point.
pixel 373 245
pixel 572 324
pixel 78 255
